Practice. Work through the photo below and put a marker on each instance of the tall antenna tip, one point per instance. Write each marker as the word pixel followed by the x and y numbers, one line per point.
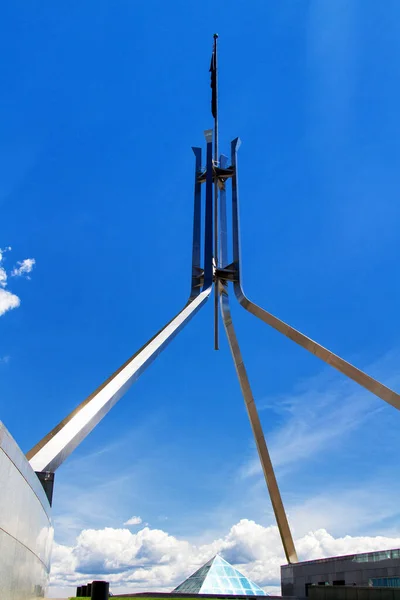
pixel 215 36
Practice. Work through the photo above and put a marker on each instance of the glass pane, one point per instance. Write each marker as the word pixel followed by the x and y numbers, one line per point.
pixel 245 583
pixel 212 581
pixel 218 577
pixel 236 584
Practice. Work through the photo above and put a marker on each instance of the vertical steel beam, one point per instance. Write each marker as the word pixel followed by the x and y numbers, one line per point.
pixel 208 234
pixel 216 261
pixel 216 217
pixel 196 246
pixel 235 145
pixel 223 234
pixel 347 369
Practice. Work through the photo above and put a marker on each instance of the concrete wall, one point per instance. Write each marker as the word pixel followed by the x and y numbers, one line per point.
pixel 341 592
pixel 26 532
pixel 294 578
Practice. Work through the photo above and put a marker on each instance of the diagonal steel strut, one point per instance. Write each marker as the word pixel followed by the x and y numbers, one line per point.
pixel 327 356
pixel 268 470
pixel 265 459
pixel 50 452
pixel 54 448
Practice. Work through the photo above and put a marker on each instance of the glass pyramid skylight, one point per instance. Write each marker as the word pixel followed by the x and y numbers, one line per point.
pixel 218 577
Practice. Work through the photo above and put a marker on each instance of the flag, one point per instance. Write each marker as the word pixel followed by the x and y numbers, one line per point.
pixel 213 71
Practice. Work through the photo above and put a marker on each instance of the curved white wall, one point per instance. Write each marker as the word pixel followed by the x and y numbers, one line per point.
pixel 26 532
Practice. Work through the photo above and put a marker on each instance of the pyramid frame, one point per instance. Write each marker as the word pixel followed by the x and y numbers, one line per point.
pixel 218 577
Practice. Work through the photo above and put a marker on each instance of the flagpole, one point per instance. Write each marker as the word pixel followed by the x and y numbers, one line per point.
pixel 216 216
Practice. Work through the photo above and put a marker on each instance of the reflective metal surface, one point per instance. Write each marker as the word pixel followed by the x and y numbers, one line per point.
pixel 223 222
pixel 214 102
pixel 56 446
pixel 327 356
pixel 51 452
pixel 208 233
pixel 196 245
pixel 26 531
pixel 262 449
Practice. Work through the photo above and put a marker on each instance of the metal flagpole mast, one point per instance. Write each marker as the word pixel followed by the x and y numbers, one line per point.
pixel 49 453
pixel 214 110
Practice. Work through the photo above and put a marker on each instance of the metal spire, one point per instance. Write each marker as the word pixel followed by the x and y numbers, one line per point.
pixel 214 110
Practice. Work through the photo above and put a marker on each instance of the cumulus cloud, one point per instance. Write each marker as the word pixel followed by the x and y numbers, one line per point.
pixel 134 521
pixel 320 544
pixel 153 560
pixel 3 277
pixel 8 300
pixel 24 267
pixel 3 273
pixel 3 251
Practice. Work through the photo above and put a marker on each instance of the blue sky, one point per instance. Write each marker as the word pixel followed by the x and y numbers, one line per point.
pixel 101 103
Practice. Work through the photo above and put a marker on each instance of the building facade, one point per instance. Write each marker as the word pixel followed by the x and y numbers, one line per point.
pixel 26 531
pixel 369 569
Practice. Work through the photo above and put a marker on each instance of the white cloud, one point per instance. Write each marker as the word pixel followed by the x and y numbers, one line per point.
pixel 3 277
pixel 3 250
pixel 8 301
pixel 25 267
pixel 319 414
pixel 364 508
pixel 4 359
pixel 3 273
pixel 320 544
pixel 134 521
pixel 314 421
pixel 153 560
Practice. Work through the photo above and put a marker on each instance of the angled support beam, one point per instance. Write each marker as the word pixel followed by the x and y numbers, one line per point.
pixel 48 454
pixel 369 383
pixel 57 445
pixel 268 470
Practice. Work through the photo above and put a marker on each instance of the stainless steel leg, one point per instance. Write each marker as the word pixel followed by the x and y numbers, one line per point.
pixel 263 453
pixel 50 452
pixel 57 445
pixel 344 367
pixel 262 449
